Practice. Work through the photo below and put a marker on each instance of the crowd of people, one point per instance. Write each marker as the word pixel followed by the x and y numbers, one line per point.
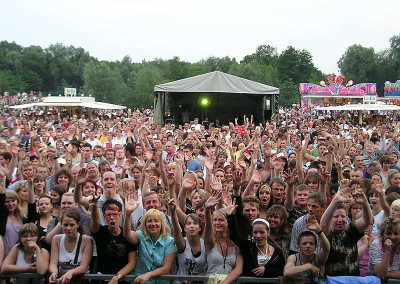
pixel 302 195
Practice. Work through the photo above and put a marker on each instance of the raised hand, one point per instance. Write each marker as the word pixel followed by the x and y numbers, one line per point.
pixel 81 177
pixel 171 204
pixel 213 199
pixel 209 164
pixel 230 206
pixel 93 200
pixel 290 176
pixel 147 172
pixel 170 179
pixel 179 159
pixel 237 178
pixel 343 194
pixel 312 224
pixel 29 177
pixel 324 175
pixel 216 184
pixel 148 155
pixel 130 204
pixel 188 183
pixel 207 151
pixel 14 151
pixel 297 147
pixel 359 196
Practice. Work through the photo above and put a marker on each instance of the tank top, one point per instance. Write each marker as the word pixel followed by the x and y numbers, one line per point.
pixel 215 262
pixel 11 236
pixel 299 263
pixel 21 262
pixel 188 264
pixel 66 259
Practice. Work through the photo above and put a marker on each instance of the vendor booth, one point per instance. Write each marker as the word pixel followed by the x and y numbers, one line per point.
pixel 335 93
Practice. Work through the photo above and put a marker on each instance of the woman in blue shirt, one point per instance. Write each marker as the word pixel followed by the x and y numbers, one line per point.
pixel 156 246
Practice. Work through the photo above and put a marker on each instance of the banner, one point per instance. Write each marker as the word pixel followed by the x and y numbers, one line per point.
pixel 392 89
pixel 338 89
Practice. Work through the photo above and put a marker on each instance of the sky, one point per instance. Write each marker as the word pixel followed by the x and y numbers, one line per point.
pixel 195 30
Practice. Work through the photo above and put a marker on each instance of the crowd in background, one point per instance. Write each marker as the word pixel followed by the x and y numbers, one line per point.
pixel 303 195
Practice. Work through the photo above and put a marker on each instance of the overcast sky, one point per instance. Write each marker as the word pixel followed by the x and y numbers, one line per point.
pixel 195 30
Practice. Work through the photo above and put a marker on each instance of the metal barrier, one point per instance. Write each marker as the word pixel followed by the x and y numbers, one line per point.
pixel 131 278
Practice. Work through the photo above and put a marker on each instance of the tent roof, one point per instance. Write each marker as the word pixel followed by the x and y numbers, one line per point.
pixel 216 82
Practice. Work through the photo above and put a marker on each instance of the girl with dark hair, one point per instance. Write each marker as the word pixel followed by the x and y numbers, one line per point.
pixel 56 194
pixel 279 234
pixel 260 258
pixel 26 255
pixel 71 252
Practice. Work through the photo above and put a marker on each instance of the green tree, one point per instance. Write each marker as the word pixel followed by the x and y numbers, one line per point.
pixel 359 64
pixel 104 83
pixel 296 65
pixel 265 54
pixel 289 94
pixel 9 82
pixel 178 68
pixel 143 83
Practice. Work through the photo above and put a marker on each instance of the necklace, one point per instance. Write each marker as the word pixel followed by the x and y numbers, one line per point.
pixel 262 260
pixel 226 253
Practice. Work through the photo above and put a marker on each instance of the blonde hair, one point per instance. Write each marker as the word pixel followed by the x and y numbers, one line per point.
pixel 221 213
pixel 389 223
pixel 395 203
pixel 10 194
pixel 22 184
pixel 391 173
pixel 165 231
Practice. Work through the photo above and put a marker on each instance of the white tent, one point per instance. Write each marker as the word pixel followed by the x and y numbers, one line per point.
pixel 64 101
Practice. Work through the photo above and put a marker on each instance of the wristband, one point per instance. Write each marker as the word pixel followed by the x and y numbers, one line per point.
pixel 118 275
pixel 319 233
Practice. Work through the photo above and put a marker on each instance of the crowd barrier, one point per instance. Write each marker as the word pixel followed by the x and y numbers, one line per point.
pixel 131 278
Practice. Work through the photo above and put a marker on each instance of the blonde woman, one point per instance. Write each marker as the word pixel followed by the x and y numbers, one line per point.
pixel 22 191
pixel 223 256
pixel 157 248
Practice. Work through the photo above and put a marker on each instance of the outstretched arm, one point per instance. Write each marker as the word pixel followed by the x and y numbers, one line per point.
pixel 130 206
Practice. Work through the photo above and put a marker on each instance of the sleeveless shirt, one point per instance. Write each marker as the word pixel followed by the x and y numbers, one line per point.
pixel 188 264
pixel 215 262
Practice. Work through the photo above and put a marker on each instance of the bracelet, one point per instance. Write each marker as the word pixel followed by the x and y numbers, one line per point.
pixel 319 233
pixel 118 275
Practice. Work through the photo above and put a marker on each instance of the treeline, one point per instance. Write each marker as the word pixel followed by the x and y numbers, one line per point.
pixel 124 82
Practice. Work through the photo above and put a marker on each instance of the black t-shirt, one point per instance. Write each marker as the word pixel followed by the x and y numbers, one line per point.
pixel 112 251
